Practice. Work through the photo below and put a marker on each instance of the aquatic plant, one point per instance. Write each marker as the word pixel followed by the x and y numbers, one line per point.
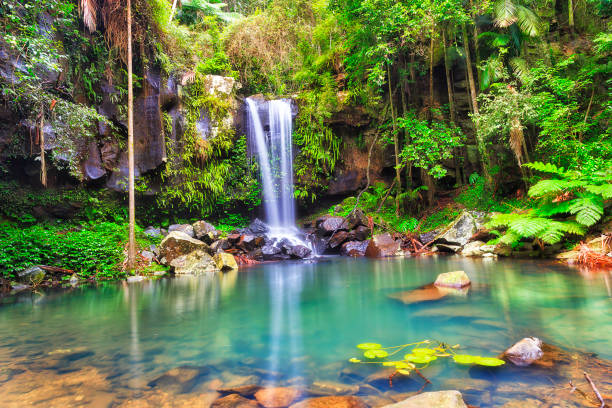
pixel 425 352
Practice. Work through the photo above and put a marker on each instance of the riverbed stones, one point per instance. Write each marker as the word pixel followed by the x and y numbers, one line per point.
pixel 331 402
pixel 225 262
pixel 525 352
pixel 438 399
pixel 278 397
pixel 234 401
pixel 329 388
pixel 382 246
pixel 195 263
pixel 455 279
pixel 178 244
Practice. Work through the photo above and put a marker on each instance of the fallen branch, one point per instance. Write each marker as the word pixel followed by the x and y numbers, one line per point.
pixel 595 390
pixel 55 269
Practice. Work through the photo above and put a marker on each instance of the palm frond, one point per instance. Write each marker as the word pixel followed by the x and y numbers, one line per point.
pixel 520 68
pixel 528 21
pixel 505 13
pixel 89 11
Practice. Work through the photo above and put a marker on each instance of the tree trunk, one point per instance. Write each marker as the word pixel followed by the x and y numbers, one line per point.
pixel 570 7
pixel 431 55
pixel 476 46
pixel 43 161
pixel 482 149
pixel 132 199
pixel 173 10
pixel 449 85
pixel 395 143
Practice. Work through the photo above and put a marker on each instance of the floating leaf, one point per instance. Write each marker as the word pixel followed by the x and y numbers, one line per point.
pixel 404 365
pixel 423 352
pixel 369 346
pixel 354 360
pixel 420 359
pixel 465 359
pixel 375 354
pixel 490 361
pixel 404 372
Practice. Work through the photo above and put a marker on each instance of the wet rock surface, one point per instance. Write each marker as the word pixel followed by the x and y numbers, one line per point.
pixel 382 246
pixel 525 352
pixel 440 399
pixel 455 279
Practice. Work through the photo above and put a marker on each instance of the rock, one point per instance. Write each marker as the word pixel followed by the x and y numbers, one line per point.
pixel 185 228
pixel 381 246
pixel 360 233
pixel 449 248
pixel 201 228
pixel 257 227
pixel 179 378
pixel 331 402
pixel 438 399
pixel 357 218
pixel 279 397
pixel 456 279
pixel 461 230
pixel 300 252
pixel 354 248
pixel 427 293
pixel 502 250
pixel 250 242
pixel 148 255
pixel 328 388
pixel 428 237
pixel 270 252
pixel 248 390
pixel 153 232
pixel 338 238
pixel 525 351
pixel 135 278
pixel 225 262
pixel 472 249
pixel 234 401
pixel 233 238
pixel 32 274
pixel 219 246
pixel 178 244
pixel 195 263
pixel 329 224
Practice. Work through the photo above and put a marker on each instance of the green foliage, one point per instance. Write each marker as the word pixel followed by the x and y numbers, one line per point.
pixel 425 353
pixel 95 251
pixel 568 204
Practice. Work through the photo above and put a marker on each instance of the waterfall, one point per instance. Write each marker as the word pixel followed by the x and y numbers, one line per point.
pixel 273 146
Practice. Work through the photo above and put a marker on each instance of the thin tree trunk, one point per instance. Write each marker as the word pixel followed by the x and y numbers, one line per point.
pixel 173 10
pixel 570 7
pixel 395 143
pixel 132 199
pixel 43 162
pixel 482 149
pixel 476 46
pixel 449 85
pixel 412 76
pixel 431 55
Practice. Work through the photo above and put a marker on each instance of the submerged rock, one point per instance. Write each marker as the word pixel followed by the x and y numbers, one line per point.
pixel 234 401
pixel 426 293
pixel 186 228
pixel 456 279
pixel 225 262
pixel 178 244
pixel 195 263
pixel 438 399
pixel 279 397
pixel 525 351
pixel 331 402
pixel 328 388
pixel 383 245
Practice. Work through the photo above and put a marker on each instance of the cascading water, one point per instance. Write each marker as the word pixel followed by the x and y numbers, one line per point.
pixel 273 145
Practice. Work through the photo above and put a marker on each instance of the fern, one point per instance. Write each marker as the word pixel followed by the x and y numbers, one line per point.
pixel 527 226
pixel 604 190
pixel 550 186
pixel 588 209
pixel 546 168
pixel 551 208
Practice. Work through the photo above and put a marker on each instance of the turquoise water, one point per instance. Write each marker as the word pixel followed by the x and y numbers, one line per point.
pixel 298 322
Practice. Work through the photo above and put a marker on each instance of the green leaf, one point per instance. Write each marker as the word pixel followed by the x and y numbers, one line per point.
pixel 423 351
pixel 403 371
pixel 420 359
pixel 369 346
pixel 588 210
pixel 490 361
pixel 354 360
pixel 465 359
pixel 373 353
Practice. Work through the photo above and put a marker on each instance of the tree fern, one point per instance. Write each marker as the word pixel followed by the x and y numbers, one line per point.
pixel 546 168
pixel 528 226
pixel 588 209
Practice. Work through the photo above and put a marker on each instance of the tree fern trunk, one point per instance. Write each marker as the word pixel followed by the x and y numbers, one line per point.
pixel 131 193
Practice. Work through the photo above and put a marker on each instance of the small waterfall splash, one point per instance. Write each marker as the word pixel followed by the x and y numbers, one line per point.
pixel 271 141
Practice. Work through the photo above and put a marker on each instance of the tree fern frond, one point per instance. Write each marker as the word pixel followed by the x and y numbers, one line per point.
pixel 552 234
pixel 528 21
pixel 549 209
pixel 505 13
pixel 604 190
pixel 529 226
pixel 548 186
pixel 572 227
pixel 510 238
pixel 501 220
pixel 546 168
pixel 588 210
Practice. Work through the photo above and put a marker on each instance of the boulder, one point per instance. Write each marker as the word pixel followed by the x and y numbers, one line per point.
pixel 247 390
pixel 300 252
pixel 329 388
pixel 329 224
pixel 202 228
pixel 331 402
pixel 338 238
pixel 270 252
pixel 461 230
pixel 426 293
pixel 30 275
pixel 178 244
pixel 185 228
pixel 360 233
pixel 225 262
pixel 233 238
pixel 428 237
pixel 279 397
pixel 195 263
pixel 219 246
pixel 234 401
pixel 153 232
pixel 249 242
pixel 257 227
pixel 525 351
pixel 381 246
pixel 354 248
pixel 473 249
pixel 456 279
pixel 438 399
pixel 357 218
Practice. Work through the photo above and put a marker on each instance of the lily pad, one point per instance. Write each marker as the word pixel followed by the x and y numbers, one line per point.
pixel 354 360
pixel 375 354
pixel 420 358
pixel 490 361
pixel 369 346
pixel 465 359
pixel 423 352
pixel 404 372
